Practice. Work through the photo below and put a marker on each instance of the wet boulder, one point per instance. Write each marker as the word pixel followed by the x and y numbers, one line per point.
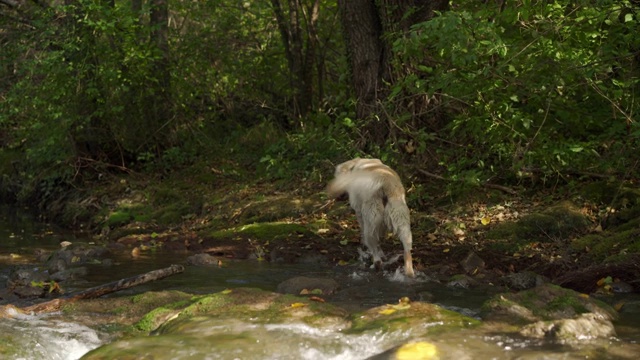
pixel 240 323
pixel 28 282
pixel 406 316
pixel 202 260
pixel 523 280
pixel 553 312
pixel 72 255
pixel 584 327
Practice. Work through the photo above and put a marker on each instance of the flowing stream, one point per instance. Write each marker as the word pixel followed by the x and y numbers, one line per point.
pixel 52 336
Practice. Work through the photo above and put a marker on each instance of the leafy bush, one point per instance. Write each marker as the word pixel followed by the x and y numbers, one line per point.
pixel 541 86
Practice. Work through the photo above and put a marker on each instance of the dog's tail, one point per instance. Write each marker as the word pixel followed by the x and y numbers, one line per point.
pixel 398 217
pixel 360 182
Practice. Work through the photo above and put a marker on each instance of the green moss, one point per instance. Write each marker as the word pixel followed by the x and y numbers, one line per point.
pixel 561 303
pixel 268 231
pixel 163 196
pixel 153 319
pixel 601 246
pixel 119 218
pixel 601 192
pixel 561 221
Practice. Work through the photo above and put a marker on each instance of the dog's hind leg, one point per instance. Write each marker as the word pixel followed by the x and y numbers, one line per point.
pixel 397 215
pixel 372 225
pixel 404 233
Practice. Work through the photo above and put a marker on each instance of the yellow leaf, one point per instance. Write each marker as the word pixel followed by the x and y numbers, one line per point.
pixel 298 305
pixel 420 350
pixel 485 220
pixel 227 291
pixel 342 263
pixel 401 306
pixel 446 250
pixel 387 311
pixel 585 296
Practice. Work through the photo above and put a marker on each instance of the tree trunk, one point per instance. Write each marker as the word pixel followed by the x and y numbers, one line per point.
pixel 300 50
pixel 159 24
pixel 363 37
pixel 364 24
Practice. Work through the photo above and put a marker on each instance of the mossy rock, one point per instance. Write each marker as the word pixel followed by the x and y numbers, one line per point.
pixel 238 323
pixel 558 222
pixel 410 316
pixel 544 302
pixel 119 218
pixel 611 246
pixel 611 193
pixel 259 306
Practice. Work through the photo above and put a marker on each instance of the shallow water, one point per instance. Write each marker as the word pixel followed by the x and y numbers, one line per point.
pixel 54 337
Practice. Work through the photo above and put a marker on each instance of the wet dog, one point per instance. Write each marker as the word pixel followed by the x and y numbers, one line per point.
pixel 377 196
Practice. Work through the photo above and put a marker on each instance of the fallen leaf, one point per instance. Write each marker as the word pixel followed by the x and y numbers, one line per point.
pixel 485 220
pixel 387 311
pixel 298 305
pixel 315 298
pixel 418 350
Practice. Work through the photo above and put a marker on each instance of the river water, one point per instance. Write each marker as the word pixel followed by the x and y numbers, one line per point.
pixel 53 337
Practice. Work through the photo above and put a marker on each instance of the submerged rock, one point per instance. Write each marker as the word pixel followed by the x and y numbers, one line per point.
pixel 302 285
pixel 202 260
pixel 462 281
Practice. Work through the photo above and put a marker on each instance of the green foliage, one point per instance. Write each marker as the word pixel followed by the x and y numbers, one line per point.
pixel 307 154
pixel 540 86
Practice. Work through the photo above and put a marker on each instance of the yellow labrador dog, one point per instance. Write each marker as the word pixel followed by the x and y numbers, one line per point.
pixel 376 194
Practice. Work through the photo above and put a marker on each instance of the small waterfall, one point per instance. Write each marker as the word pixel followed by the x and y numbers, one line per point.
pixel 45 337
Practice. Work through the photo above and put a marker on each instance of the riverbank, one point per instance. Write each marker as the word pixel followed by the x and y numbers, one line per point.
pixel 581 236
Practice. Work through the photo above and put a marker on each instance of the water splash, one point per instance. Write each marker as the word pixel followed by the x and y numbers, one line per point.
pixel 44 337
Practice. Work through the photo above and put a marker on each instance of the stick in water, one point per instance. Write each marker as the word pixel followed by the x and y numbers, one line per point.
pixel 95 292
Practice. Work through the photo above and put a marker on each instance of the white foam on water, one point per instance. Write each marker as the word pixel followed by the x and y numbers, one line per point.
pixel 318 344
pixel 39 337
